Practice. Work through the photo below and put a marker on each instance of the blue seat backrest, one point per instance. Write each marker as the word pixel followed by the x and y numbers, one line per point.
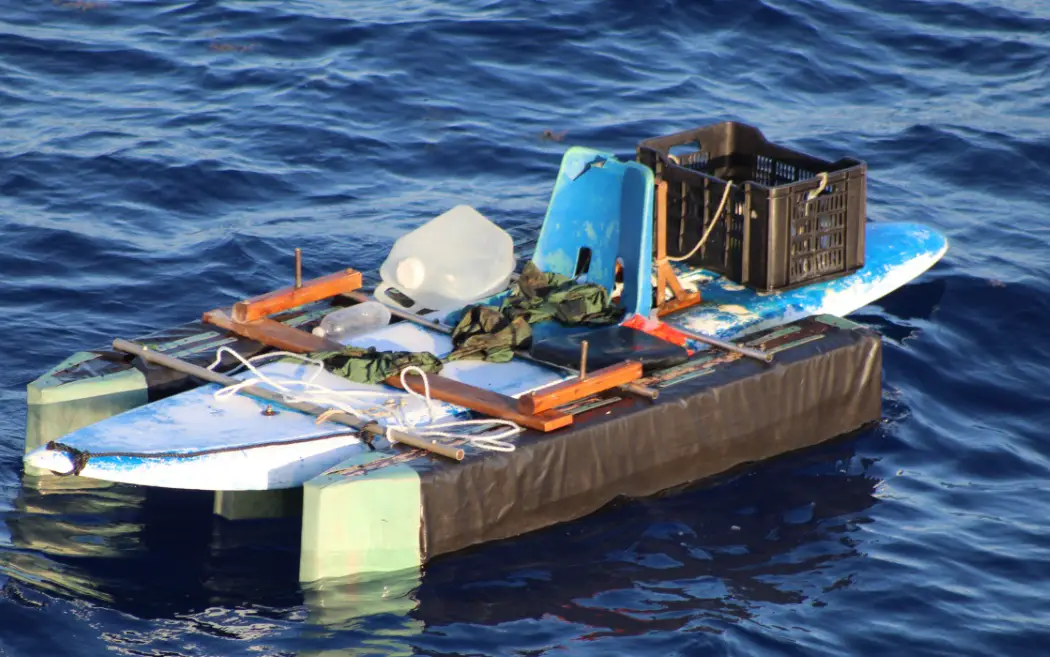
pixel 603 207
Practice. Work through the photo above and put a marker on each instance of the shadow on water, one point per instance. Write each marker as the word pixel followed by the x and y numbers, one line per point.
pixel 898 316
pixel 701 558
pixel 152 553
pixel 702 554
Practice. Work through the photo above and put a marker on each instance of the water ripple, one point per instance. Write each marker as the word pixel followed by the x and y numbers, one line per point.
pixel 165 158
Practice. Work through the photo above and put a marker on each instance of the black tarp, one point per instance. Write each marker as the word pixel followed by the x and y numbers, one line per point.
pixel 825 383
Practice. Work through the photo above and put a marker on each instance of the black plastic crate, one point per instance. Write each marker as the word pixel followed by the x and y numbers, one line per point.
pixel 776 231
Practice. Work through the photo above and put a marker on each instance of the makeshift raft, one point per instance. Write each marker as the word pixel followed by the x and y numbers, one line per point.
pixel 371 505
pixel 386 511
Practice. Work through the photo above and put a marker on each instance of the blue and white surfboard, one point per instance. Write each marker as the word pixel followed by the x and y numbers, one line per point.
pixel 195 441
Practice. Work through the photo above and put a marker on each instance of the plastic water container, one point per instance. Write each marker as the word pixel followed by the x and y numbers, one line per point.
pixel 353 320
pixel 455 258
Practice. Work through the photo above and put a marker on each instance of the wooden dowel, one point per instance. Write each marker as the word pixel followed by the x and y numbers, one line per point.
pixel 272 333
pixel 640 391
pixel 339 282
pixel 583 360
pixel 661 241
pixel 572 390
pixel 298 268
pixel 372 428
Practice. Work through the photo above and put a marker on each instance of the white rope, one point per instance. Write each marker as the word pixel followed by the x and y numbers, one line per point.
pixel 495 442
pixel 813 193
pixel 426 388
pixel 707 233
pixel 339 401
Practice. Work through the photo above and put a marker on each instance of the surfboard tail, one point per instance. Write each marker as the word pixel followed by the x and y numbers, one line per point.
pixel 51 460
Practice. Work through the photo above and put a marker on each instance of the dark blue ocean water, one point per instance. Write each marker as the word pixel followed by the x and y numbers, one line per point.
pixel 162 158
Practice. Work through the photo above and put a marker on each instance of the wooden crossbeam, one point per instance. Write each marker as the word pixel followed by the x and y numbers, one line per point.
pixel 487 402
pixel 324 287
pixel 575 389
pixel 272 333
pixel 484 401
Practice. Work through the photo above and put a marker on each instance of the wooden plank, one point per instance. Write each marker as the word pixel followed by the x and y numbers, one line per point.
pixel 682 298
pixel 665 276
pixel 572 390
pixel 487 402
pixel 661 241
pixel 324 287
pixel 272 333
pixel 490 403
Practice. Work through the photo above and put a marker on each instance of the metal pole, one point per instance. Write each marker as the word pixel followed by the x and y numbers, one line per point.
pixel 583 360
pixel 311 409
pixel 763 356
pixel 298 268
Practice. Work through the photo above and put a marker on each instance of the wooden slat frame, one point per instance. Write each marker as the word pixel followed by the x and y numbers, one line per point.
pixel 324 287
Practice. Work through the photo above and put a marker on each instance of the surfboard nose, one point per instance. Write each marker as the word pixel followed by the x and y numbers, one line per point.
pixel 54 460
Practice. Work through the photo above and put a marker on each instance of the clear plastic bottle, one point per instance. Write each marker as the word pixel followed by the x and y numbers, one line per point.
pixel 353 320
pixel 453 259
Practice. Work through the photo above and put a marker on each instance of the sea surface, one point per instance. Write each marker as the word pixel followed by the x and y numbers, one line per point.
pixel 160 158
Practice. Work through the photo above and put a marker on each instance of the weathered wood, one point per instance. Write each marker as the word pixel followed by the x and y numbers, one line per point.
pixel 572 390
pixel 490 403
pixel 487 402
pixel 661 241
pixel 682 298
pixel 272 333
pixel 665 276
pixel 324 287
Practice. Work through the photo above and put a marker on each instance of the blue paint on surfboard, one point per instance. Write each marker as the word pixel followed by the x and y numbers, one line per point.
pixel 192 421
pixel 895 253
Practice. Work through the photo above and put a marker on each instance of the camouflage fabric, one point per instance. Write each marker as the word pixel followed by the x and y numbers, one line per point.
pixel 540 296
pixel 492 334
pixel 372 366
pixel 485 333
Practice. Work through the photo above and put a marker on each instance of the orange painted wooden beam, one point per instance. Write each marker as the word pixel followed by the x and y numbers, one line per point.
pixel 487 402
pixel 661 241
pixel 572 390
pixel 324 287
pixel 272 333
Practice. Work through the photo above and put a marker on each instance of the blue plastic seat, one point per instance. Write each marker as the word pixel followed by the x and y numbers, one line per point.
pixel 601 210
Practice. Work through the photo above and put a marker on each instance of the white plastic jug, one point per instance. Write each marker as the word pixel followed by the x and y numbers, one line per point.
pixel 353 320
pixel 453 259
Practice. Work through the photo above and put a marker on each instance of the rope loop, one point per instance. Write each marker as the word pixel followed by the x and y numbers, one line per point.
pixel 80 457
pixel 814 193
pixel 339 401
